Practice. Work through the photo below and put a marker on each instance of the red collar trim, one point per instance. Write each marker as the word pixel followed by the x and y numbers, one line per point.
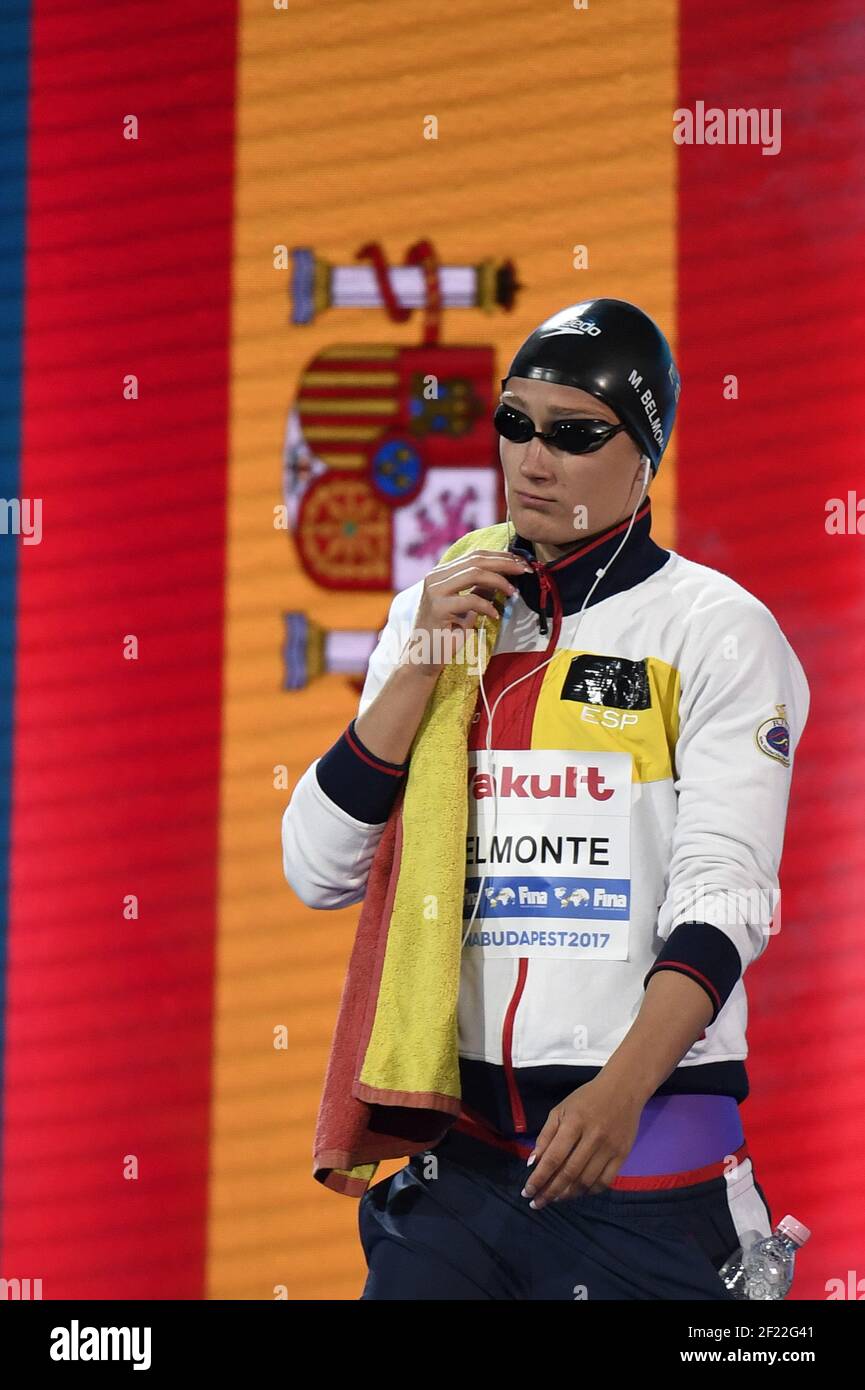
pixel 600 539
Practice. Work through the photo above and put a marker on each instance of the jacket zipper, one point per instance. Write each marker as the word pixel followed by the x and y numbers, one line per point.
pixel 546 589
pixel 518 1115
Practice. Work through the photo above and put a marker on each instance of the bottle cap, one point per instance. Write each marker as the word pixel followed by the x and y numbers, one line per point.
pixel 793 1228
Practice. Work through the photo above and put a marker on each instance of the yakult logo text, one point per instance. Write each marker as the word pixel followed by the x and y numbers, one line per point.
pixel 576 780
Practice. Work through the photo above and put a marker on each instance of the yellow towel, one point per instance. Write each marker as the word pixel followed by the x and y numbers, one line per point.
pixel 411 1058
pixel 413 1044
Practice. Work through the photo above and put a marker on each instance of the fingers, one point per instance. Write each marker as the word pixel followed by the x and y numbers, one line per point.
pixel 607 1176
pixel 555 1142
pixel 498 562
pixel 571 1162
pixel 575 1175
pixel 548 1133
pixel 469 577
pixel 480 556
pixel 455 595
pixel 471 603
pixel 465 585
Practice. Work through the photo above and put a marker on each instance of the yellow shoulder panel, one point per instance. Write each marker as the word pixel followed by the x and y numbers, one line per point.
pixel 650 735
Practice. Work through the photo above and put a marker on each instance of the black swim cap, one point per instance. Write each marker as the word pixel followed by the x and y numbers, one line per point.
pixel 613 350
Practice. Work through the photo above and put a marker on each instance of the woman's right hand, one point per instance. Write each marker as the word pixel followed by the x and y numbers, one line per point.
pixel 453 596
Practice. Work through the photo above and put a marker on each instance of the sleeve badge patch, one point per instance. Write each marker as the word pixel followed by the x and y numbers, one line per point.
pixel 773 736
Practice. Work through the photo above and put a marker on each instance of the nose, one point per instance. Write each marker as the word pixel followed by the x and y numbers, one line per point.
pixel 535 458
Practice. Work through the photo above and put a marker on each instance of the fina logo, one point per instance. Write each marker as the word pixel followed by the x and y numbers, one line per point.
pixel 582 326
pixel 505 897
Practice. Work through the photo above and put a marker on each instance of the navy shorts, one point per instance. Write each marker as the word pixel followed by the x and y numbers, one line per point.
pixel 457 1228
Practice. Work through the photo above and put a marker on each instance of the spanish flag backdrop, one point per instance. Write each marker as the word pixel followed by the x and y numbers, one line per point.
pixel 236 237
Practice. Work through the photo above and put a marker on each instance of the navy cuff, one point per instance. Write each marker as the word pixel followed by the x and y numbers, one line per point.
pixel 706 955
pixel 357 781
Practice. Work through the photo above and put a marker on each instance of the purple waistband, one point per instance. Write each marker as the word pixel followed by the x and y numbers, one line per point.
pixel 677 1133
pixel 681 1132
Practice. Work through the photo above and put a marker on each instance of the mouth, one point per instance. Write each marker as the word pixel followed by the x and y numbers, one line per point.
pixel 528 499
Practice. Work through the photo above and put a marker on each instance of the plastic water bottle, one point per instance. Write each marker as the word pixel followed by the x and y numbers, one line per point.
pixel 762 1267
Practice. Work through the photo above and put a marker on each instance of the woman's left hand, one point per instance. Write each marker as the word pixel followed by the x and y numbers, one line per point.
pixel 584 1142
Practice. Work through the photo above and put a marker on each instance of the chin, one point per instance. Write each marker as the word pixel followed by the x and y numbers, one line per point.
pixel 534 527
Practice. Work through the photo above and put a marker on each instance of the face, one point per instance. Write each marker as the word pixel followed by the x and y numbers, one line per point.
pixel 558 499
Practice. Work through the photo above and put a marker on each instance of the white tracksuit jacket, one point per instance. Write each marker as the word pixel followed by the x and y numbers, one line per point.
pixel 640 785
